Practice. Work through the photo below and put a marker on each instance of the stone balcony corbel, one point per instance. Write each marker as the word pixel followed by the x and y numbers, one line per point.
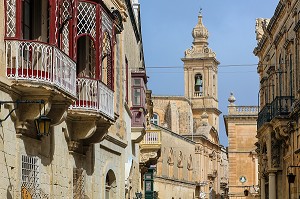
pixel 283 129
pixel 85 128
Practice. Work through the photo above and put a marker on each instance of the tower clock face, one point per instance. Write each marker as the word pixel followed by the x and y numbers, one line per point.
pixel 243 179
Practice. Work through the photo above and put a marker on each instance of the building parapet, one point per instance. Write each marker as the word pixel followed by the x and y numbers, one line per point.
pixel 243 110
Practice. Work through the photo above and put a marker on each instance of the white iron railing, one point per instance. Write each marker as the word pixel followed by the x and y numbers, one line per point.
pixel 40 62
pixel 152 137
pixel 94 95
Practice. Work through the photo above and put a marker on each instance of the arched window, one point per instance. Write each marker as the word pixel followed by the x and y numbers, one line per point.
pixel 155 119
pixel 198 84
pixel 110 185
pixel 86 58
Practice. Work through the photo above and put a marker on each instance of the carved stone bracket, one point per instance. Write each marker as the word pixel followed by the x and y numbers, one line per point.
pixel 150 157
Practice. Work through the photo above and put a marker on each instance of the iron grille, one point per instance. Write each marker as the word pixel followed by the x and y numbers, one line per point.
pixel 264 115
pixel 31 177
pixel 282 106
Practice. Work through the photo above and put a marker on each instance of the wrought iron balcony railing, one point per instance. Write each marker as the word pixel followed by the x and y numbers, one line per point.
pixel 94 95
pixel 264 115
pixel 39 62
pixel 280 106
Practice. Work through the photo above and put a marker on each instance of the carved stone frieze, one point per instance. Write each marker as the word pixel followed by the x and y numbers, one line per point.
pixel 275 151
pixel 264 164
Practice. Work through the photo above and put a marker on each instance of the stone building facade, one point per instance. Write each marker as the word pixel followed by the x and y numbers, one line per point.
pixel 80 64
pixel 278 118
pixel 192 163
pixel 240 123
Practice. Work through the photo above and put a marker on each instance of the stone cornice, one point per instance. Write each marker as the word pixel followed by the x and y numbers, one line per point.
pixel 202 59
pixel 116 141
pixel 273 20
pixel 133 20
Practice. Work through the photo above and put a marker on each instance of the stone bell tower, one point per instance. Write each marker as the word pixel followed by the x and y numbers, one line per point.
pixel 201 78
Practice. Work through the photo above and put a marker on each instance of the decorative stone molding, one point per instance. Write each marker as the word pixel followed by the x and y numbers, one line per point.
pixel 148 156
pixel 275 151
pixel 264 165
pixel 73 145
pixel 260 27
pixel 198 149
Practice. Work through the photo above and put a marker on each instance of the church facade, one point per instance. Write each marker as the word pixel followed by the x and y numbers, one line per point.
pixel 192 163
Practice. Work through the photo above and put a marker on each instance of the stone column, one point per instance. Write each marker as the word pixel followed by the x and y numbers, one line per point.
pixel 262 188
pixel 272 185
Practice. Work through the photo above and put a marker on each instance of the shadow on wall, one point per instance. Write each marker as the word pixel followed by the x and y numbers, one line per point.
pixel 8 194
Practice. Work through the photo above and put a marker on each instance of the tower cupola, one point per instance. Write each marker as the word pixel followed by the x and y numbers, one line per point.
pixel 200 32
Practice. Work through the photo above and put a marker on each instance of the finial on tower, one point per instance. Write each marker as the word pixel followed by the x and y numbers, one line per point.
pixel 231 99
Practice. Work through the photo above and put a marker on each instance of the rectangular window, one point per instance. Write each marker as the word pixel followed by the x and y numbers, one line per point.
pixel 26 25
pixel 137 82
pixel 35 25
pixel 136 96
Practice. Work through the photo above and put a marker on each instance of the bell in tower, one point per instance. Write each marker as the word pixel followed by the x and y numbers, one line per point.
pixel 198 83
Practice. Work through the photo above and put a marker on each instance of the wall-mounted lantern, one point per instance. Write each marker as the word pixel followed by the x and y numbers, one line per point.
pixel 42 123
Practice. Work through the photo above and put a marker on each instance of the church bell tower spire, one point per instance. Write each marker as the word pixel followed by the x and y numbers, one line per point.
pixel 201 76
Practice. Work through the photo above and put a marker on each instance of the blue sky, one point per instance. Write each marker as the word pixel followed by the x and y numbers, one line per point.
pixel 167 27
